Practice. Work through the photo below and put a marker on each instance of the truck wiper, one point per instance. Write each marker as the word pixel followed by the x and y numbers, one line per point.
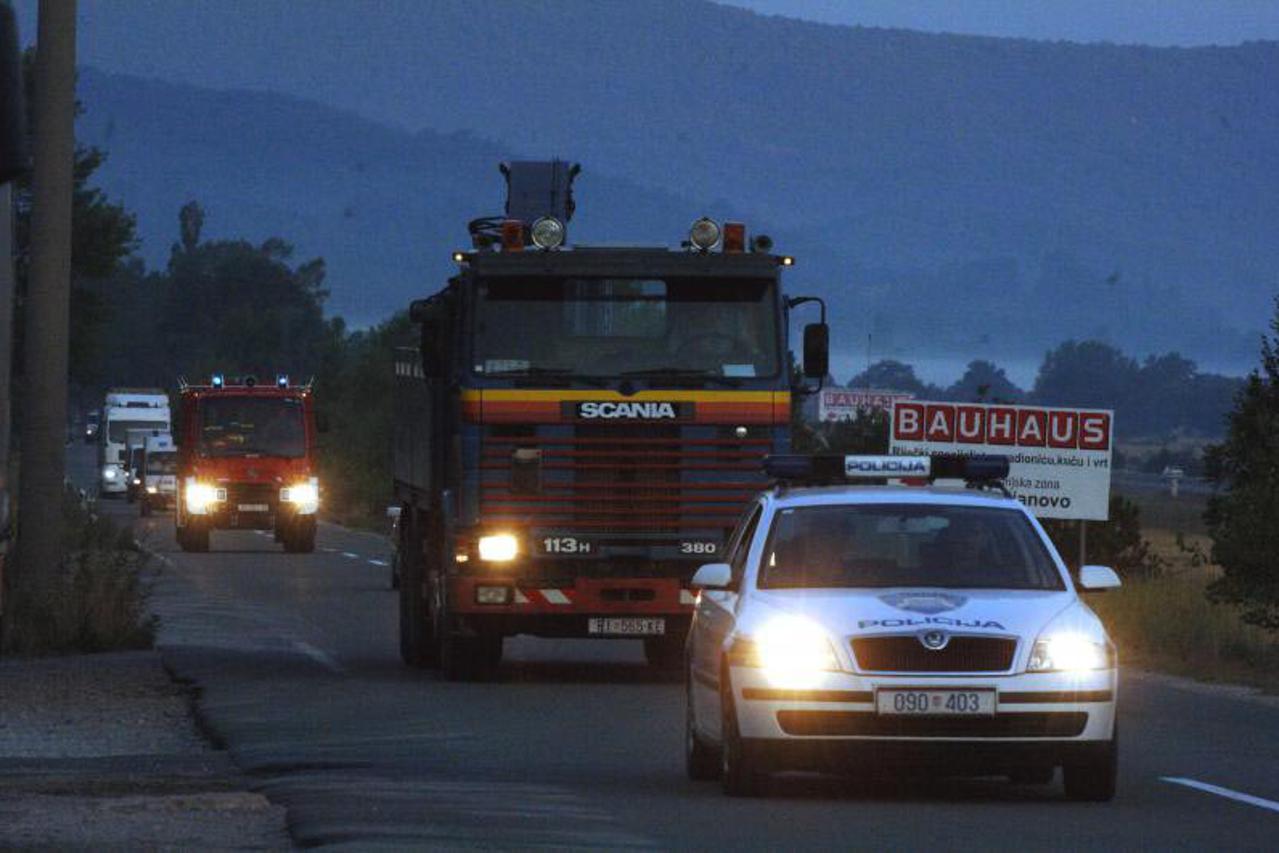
pixel 685 372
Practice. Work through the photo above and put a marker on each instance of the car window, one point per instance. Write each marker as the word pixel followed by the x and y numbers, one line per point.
pixel 887 545
pixel 742 546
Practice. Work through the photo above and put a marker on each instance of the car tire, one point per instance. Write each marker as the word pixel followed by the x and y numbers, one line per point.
pixel 1094 781
pixel 701 760
pixel 740 772
pixel 417 639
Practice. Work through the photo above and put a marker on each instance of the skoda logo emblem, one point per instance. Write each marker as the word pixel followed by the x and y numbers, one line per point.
pixel 934 640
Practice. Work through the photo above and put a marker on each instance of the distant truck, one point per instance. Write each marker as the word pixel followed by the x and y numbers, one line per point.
pixel 134 449
pixel 580 428
pixel 246 461
pixel 159 469
pixel 126 409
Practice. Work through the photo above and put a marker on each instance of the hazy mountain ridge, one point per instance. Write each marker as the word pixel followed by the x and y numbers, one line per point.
pixel 1115 190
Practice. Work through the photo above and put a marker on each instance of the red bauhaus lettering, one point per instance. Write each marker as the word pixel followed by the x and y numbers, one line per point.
pixel 1031 424
pixel 1094 431
pixel 1001 425
pixel 941 423
pixel 1063 428
pixel 970 424
pixel 908 421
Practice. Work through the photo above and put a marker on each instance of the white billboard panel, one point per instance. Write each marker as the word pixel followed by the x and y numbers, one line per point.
pixel 846 404
pixel 1059 459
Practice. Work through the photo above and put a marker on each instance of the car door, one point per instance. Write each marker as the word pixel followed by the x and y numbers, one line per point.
pixel 714 621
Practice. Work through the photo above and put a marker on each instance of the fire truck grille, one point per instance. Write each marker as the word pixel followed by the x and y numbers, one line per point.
pixel 908 654
pixel 251 494
pixel 623 478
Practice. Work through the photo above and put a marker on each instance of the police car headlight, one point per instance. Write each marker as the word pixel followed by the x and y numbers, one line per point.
pixel 200 497
pixel 305 497
pixel 547 233
pixel 793 652
pixel 1069 653
pixel 499 548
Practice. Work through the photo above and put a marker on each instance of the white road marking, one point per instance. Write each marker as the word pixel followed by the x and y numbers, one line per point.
pixel 319 656
pixel 329 550
pixel 379 562
pixel 1259 802
pixel 351 556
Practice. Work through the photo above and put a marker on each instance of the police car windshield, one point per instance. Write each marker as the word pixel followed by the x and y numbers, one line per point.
pixel 252 426
pixel 892 545
pixel 627 327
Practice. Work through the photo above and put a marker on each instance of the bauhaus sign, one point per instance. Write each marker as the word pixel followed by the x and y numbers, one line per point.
pixel 1059 458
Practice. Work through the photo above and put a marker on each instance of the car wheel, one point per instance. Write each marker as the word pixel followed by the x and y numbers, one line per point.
pixel 740 773
pixel 1095 780
pixel 701 760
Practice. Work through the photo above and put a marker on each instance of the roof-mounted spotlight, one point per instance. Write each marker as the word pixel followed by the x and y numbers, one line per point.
pixel 548 233
pixel 761 243
pixel 704 234
pixel 250 381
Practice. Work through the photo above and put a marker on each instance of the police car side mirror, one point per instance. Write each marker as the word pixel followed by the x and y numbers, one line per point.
pixel 713 576
pixel 816 350
pixel 1098 578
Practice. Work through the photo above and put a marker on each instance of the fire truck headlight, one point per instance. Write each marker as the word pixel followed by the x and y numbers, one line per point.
pixel 305 497
pixel 704 234
pixel 200 497
pixel 499 548
pixel 547 233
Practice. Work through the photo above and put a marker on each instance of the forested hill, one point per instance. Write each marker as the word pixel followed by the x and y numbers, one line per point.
pixel 1028 190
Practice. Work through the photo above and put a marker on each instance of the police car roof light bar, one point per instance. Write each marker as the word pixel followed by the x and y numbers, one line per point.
pixel 824 468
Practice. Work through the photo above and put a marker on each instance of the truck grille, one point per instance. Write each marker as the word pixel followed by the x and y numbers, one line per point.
pixel 251 493
pixel 908 654
pixel 623 478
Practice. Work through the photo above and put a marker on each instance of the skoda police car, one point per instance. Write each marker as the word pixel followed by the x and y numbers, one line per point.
pixel 859 627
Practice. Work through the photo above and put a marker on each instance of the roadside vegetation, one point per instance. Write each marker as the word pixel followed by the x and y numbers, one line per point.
pixel 95 602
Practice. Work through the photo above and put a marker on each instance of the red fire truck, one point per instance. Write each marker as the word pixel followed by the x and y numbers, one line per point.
pixel 246 461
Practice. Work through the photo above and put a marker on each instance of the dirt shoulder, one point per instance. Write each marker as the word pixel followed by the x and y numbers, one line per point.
pixel 101 750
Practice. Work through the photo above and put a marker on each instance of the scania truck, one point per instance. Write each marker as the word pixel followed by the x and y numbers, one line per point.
pixel 580 428
pixel 246 461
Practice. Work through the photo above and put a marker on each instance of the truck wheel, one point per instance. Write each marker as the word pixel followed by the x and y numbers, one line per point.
pixel 417 640
pixel 740 773
pixel 299 537
pixel 470 658
pixel 1095 780
pixel 194 538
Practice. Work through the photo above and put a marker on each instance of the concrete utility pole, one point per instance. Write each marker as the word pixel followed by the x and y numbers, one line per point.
pixel 6 323
pixel 46 316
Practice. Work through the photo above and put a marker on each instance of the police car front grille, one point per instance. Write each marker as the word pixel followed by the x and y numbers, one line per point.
pixel 869 724
pixel 908 654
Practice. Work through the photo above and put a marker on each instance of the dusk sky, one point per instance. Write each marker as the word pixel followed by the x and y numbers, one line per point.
pixel 1155 22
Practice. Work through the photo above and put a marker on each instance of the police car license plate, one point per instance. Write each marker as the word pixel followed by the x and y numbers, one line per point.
pixel 626 626
pixel 936 703
pixel 253 507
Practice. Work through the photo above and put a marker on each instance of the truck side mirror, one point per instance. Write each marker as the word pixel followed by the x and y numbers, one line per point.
pixel 13 137
pixel 816 350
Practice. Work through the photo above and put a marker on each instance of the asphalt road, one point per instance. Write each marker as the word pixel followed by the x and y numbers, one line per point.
pixel 578 744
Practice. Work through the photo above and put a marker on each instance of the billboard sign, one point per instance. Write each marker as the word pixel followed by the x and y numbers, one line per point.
pixel 847 404
pixel 1059 459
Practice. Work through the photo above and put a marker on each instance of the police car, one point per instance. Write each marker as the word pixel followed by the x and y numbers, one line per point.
pixel 859 627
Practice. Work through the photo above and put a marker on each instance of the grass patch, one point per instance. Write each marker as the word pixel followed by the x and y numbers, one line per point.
pixel 95 603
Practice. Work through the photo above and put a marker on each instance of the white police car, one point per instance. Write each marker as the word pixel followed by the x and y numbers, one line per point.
pixel 856 628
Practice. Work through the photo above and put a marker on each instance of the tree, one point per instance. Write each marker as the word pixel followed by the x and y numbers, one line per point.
pixel 984 382
pixel 892 375
pixel 1085 373
pixel 1243 519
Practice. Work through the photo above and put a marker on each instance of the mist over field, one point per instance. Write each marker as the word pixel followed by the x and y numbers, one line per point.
pixel 953 197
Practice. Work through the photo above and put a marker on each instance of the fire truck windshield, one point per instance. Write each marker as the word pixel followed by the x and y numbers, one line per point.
pixel 627 327
pixel 252 426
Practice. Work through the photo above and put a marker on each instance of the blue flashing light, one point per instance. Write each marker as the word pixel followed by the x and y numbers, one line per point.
pixel 217 380
pixel 282 380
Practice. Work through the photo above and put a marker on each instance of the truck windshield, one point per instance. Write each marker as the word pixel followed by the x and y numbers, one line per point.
pixel 891 545
pixel 627 326
pixel 252 426
pixel 162 462
pixel 118 431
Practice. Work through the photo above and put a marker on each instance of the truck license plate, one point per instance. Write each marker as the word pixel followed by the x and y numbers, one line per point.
pixel 626 626
pixel 936 703
pixel 253 508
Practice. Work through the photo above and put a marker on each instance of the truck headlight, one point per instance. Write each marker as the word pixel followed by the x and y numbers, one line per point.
pixel 1069 653
pixel 199 497
pixel 110 472
pixel 304 496
pixel 792 651
pixel 499 548
pixel 151 490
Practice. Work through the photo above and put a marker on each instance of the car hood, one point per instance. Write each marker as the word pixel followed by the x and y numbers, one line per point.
pixel 847 612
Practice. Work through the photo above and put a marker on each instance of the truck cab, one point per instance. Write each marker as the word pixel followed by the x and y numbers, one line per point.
pixel 580 428
pixel 126 409
pixel 247 461
pixel 158 472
